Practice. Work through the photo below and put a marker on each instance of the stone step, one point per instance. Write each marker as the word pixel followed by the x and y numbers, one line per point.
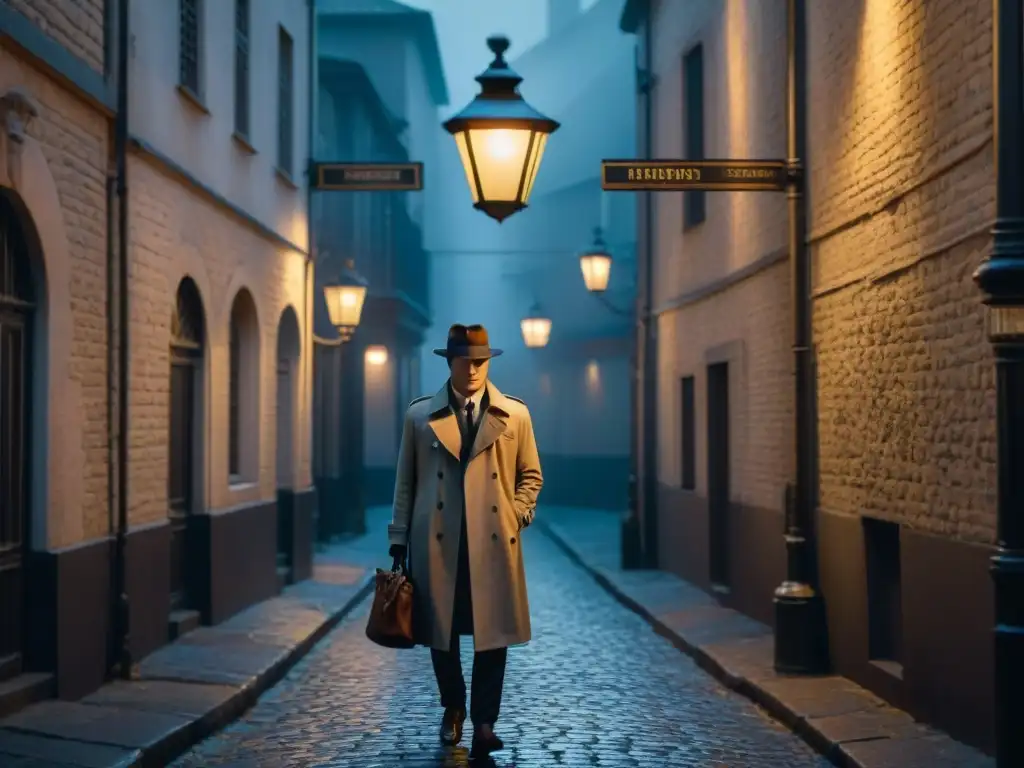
pixel 22 690
pixel 181 623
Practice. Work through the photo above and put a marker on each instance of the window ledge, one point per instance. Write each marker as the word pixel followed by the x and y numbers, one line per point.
pixel 192 98
pixel 236 484
pixel 243 144
pixel 285 178
pixel 891 668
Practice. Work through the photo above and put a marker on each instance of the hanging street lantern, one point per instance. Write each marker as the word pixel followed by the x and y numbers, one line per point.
pixel 596 264
pixel 345 300
pixel 501 139
pixel 536 327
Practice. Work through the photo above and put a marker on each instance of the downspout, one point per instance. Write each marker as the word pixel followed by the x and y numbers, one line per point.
pixel 307 275
pixel 801 636
pixel 122 645
pixel 649 433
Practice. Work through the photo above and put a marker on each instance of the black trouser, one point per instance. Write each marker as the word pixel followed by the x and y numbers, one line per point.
pixel 488 666
pixel 488 680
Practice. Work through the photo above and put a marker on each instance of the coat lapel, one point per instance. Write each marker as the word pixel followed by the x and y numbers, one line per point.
pixel 493 424
pixel 445 423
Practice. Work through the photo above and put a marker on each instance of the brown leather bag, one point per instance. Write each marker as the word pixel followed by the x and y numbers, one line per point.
pixel 390 623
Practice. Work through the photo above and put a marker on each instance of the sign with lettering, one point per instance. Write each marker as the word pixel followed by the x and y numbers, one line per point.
pixel 682 175
pixel 368 177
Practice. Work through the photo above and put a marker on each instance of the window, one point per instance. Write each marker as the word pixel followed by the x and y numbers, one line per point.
pixel 689 432
pixel 285 98
pixel 242 68
pixel 885 609
pixel 235 378
pixel 243 390
pixel 695 202
pixel 190 49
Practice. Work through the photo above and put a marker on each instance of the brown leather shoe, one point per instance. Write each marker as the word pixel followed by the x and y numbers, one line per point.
pixel 451 725
pixel 485 741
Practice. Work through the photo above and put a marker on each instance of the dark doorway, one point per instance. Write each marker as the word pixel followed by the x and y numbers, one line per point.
pixel 718 473
pixel 16 305
pixel 885 604
pixel 186 365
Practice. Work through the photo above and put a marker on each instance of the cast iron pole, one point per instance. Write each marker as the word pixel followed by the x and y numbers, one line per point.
pixel 1001 278
pixel 800 627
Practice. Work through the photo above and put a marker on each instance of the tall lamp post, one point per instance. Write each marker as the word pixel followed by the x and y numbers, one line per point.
pixel 596 267
pixel 345 299
pixel 501 139
pixel 1001 278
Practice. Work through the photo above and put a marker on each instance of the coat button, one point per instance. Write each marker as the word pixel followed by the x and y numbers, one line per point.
pixel 440 505
pixel 512 540
pixel 494 475
pixel 494 509
pixel 434 444
pixel 440 535
pixel 494 536
pixel 440 475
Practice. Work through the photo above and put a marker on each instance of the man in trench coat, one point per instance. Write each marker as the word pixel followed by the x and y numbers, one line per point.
pixel 466 486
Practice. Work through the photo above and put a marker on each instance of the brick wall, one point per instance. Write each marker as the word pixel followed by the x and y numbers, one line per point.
pixel 176 231
pixel 73 138
pixel 75 24
pixel 901 200
pixel 744 92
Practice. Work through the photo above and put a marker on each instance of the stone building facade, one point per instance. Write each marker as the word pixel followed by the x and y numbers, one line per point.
pixel 380 87
pixel 900 200
pixel 57 101
pixel 218 290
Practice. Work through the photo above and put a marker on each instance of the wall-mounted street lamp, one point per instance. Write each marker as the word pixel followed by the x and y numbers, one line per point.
pixel 536 327
pixel 376 355
pixel 500 138
pixel 345 300
pixel 596 264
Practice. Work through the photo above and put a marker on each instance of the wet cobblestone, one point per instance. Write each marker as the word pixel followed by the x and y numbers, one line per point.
pixel 596 687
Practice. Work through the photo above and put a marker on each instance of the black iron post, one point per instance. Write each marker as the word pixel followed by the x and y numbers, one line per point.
pixel 800 629
pixel 1001 278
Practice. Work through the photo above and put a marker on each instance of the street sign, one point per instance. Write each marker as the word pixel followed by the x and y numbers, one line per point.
pixel 368 177
pixel 682 175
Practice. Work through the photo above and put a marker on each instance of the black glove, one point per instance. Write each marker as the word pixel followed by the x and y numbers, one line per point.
pixel 397 551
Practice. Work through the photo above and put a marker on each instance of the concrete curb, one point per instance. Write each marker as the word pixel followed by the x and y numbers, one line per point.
pixel 174 745
pixel 777 709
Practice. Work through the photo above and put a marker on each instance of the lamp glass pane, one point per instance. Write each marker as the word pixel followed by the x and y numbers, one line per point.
pixel 467 165
pixel 500 155
pixel 536 331
pixel 538 153
pixel 345 304
pixel 596 268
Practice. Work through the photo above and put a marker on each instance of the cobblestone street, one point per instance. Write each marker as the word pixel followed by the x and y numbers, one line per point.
pixel 596 687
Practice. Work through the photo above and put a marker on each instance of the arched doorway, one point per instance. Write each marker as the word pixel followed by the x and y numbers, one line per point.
pixel 184 434
pixel 289 348
pixel 16 306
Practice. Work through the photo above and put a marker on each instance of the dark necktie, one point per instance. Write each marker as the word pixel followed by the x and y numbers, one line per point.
pixel 469 416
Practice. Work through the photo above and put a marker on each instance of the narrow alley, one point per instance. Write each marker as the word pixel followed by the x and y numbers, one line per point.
pixel 596 687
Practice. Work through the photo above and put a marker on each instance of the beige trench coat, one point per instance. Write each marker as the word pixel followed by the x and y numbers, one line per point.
pixel 502 481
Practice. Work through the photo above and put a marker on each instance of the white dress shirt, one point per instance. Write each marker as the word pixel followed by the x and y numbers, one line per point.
pixel 461 402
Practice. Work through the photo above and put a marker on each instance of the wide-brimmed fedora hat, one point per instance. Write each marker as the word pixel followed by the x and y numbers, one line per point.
pixel 468 341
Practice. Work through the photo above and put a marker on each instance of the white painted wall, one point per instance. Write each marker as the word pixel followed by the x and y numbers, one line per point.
pixel 199 140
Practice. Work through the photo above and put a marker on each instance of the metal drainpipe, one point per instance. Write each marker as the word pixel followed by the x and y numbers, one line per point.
pixel 801 638
pixel 649 432
pixel 308 281
pixel 123 612
pixel 1001 278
